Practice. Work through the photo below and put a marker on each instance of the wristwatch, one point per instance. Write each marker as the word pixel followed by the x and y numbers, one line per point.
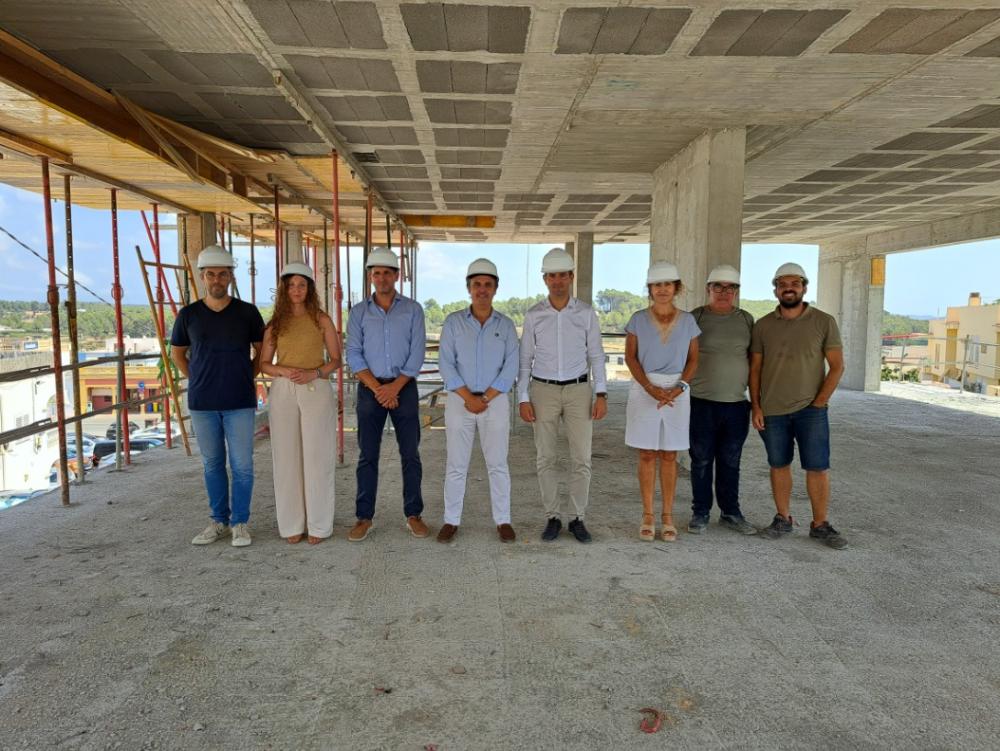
pixel 601 395
pixel 682 385
pixel 319 373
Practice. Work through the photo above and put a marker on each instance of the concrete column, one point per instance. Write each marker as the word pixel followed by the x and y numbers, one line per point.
pixel 200 233
pixel 697 219
pixel 851 288
pixel 293 250
pixel 570 248
pixel 583 277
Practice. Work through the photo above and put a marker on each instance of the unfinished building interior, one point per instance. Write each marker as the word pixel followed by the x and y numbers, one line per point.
pixel 318 127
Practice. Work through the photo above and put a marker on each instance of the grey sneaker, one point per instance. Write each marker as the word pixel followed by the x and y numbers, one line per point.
pixel 737 524
pixel 211 533
pixel 241 536
pixel 780 526
pixel 697 524
pixel 828 536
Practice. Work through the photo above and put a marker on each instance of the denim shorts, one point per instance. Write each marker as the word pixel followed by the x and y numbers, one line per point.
pixel 809 428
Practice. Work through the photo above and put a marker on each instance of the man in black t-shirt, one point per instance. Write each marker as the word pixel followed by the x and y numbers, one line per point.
pixel 216 345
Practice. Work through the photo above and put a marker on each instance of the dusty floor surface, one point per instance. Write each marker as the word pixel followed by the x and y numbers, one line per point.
pixel 117 633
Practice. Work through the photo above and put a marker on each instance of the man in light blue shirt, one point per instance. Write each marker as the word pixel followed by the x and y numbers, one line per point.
pixel 478 362
pixel 385 350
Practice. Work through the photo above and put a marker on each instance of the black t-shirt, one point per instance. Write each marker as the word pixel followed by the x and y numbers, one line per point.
pixel 221 371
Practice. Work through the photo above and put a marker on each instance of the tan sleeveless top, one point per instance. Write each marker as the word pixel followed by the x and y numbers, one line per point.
pixel 300 345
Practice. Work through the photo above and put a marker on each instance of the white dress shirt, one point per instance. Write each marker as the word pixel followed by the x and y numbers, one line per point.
pixel 560 345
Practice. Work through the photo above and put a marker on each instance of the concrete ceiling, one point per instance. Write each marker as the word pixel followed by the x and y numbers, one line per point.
pixel 551 116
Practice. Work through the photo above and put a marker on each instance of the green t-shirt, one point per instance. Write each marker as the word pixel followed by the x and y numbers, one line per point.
pixel 794 358
pixel 723 364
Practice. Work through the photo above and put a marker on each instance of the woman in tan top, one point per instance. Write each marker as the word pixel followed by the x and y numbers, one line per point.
pixel 303 409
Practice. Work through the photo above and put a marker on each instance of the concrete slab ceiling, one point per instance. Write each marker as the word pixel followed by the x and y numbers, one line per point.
pixel 853 110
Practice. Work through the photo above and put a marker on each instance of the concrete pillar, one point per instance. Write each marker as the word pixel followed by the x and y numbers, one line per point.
pixel 200 232
pixel 851 288
pixel 570 248
pixel 292 249
pixel 583 277
pixel 697 219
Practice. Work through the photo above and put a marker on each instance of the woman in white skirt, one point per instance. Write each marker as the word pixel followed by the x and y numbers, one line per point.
pixel 303 409
pixel 661 351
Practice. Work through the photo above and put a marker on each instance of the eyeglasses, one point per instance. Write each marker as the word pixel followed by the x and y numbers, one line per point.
pixel 726 289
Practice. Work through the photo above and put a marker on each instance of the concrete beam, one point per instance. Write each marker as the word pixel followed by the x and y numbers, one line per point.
pixel 982 225
pixel 583 277
pixel 851 288
pixel 698 207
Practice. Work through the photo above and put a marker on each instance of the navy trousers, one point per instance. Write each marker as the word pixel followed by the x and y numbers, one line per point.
pixel 406 422
pixel 718 431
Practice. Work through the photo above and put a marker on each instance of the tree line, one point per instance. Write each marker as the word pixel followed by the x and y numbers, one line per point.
pixel 614 307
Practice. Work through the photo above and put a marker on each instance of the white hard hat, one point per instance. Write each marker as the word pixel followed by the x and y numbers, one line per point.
pixel 662 271
pixel 790 269
pixel 300 269
pixel 213 256
pixel 724 273
pixel 482 266
pixel 382 257
pixel 557 259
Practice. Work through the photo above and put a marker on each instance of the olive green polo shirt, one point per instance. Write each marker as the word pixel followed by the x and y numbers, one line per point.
pixel 794 363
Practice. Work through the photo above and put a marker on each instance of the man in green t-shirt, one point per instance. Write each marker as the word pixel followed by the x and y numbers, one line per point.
pixel 720 412
pixel 796 361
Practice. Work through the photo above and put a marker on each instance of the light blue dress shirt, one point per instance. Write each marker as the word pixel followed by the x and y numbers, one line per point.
pixel 386 343
pixel 477 356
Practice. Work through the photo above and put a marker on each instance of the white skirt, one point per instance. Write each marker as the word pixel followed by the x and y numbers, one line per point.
pixel 663 429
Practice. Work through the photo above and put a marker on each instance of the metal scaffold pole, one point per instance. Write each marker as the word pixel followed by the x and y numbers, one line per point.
pixel 253 266
pixel 121 435
pixel 160 302
pixel 338 297
pixel 74 333
pixel 277 239
pixel 53 299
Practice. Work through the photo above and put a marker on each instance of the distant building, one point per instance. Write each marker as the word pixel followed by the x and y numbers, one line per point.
pixel 25 463
pixel 967 340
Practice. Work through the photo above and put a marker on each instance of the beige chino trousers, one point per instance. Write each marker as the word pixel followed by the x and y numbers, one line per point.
pixel 572 405
pixel 303 425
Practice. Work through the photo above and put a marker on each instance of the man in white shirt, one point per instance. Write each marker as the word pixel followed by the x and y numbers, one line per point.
pixel 560 350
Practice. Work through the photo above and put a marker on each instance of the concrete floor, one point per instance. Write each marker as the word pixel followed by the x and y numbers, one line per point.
pixel 117 633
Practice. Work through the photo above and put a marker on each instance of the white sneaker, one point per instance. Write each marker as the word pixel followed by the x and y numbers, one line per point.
pixel 241 536
pixel 211 533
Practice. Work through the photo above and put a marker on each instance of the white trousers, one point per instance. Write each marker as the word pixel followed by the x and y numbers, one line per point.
pixel 494 435
pixel 303 421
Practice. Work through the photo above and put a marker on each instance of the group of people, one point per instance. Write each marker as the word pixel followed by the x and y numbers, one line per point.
pixel 700 379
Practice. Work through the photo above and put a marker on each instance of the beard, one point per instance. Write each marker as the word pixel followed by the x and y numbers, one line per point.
pixel 790 302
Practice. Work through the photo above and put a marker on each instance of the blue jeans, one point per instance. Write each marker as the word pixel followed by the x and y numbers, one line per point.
pixel 232 428
pixel 809 428
pixel 718 431
pixel 406 422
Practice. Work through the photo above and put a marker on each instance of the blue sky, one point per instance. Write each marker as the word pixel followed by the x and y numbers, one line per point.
pixel 918 283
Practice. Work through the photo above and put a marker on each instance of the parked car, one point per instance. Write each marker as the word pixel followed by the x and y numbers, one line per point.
pixel 106 448
pixel 113 429
pixel 160 431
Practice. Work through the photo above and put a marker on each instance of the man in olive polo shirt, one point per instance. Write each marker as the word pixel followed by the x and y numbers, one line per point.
pixel 796 361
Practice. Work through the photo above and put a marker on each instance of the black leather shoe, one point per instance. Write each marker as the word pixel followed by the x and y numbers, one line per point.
pixel 579 530
pixel 552 528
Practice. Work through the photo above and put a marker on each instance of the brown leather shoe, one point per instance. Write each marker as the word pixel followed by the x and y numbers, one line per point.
pixel 447 533
pixel 360 530
pixel 417 527
pixel 506 533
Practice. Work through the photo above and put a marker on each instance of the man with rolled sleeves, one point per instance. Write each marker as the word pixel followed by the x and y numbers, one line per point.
pixel 560 350
pixel 796 361
pixel 478 360
pixel 385 350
